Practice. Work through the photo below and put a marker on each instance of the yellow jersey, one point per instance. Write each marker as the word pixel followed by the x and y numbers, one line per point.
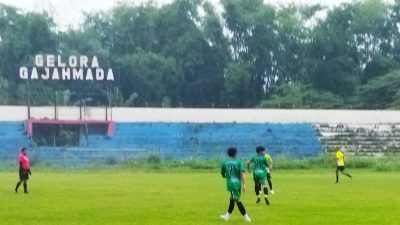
pixel 268 158
pixel 340 158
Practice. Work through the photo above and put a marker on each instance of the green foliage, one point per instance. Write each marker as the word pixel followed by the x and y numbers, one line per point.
pixel 379 66
pixel 154 162
pixel 381 92
pixel 186 54
pixel 110 161
pixel 384 163
pixel 298 96
pixel 237 85
pixel 154 159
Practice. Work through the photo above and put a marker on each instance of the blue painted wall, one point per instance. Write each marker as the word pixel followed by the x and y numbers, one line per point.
pixel 175 140
pixel 12 137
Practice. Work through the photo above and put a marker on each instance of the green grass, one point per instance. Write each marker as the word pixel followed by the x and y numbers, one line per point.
pixel 121 197
pixel 155 163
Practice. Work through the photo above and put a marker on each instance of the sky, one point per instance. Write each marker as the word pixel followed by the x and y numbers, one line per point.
pixel 70 13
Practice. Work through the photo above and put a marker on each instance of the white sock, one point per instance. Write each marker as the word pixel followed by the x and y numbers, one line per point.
pixel 247 218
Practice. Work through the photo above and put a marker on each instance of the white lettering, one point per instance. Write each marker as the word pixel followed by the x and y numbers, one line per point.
pixel 83 61
pixel 55 75
pixel 99 74
pixel 75 67
pixel 50 59
pixel 59 62
pixel 39 60
pixel 34 74
pixel 110 75
pixel 65 74
pixel 46 74
pixel 95 63
pixel 89 75
pixel 73 61
pixel 77 74
pixel 23 73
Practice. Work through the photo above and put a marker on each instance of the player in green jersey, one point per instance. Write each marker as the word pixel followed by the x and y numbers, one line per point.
pixel 259 164
pixel 233 170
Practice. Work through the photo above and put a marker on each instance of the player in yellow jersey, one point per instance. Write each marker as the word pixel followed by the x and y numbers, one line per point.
pixel 339 157
pixel 269 169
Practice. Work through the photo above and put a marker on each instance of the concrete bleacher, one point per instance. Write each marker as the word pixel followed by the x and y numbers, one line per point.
pixel 210 139
pixel 12 137
pixel 365 139
pixel 183 140
pixel 206 133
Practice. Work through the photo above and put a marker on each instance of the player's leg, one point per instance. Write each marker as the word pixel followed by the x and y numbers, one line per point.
pixel 264 187
pixel 236 195
pixel 231 206
pixel 25 186
pixel 257 190
pixel 243 210
pixel 265 190
pixel 21 179
pixel 342 171
pixel 25 179
pixel 337 174
pixel 257 187
pixel 17 186
pixel 270 182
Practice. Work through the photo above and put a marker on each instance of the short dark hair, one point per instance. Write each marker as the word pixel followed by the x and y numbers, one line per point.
pixel 232 151
pixel 260 149
pixel 23 149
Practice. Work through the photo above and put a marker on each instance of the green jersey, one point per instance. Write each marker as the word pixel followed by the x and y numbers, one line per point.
pixel 231 170
pixel 260 165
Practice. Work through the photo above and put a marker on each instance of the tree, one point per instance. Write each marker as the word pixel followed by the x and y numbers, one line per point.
pixel 237 85
pixel 150 78
pixel 302 97
pixel 21 37
pixel 179 36
pixel 381 92
pixel 333 53
pixel 254 41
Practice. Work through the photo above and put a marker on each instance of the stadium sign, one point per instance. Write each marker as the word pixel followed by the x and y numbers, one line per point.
pixel 74 68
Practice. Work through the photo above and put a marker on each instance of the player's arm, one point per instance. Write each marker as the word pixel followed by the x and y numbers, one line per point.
pixel 266 163
pixel 248 165
pixel 336 157
pixel 243 181
pixel 270 163
pixel 223 171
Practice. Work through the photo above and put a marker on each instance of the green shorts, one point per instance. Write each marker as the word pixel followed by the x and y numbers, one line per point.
pixel 259 178
pixel 236 194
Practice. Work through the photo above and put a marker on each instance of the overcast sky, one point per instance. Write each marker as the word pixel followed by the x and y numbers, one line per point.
pixel 69 13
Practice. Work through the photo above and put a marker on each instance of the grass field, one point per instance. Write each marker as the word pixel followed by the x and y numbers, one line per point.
pixel 121 197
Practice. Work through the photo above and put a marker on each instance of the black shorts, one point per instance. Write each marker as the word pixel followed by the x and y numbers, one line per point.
pixel 23 174
pixel 268 176
pixel 341 168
